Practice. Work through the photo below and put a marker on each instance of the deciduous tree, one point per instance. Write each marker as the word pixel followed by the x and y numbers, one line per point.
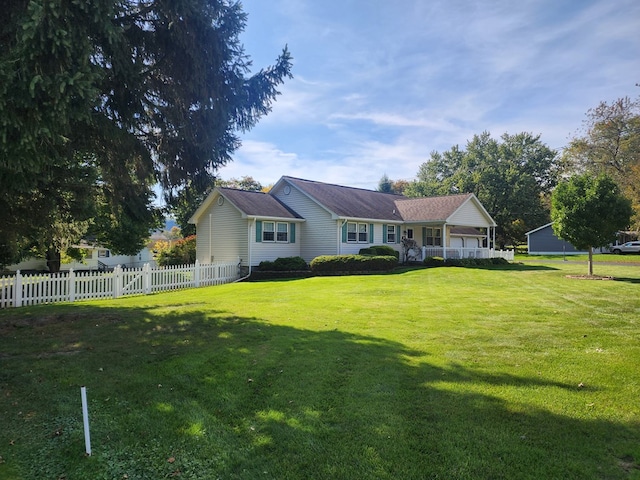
pixel 588 211
pixel 510 177
pixel 610 143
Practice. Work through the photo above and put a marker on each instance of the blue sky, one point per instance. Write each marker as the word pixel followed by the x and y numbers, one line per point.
pixel 378 85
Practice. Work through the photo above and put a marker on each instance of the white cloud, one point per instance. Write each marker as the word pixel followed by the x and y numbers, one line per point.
pixel 378 86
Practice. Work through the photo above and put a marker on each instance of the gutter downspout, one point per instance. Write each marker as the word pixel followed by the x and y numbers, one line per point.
pixel 210 229
pixel 340 236
pixel 250 236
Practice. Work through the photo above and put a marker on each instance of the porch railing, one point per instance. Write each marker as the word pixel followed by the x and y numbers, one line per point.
pixel 466 253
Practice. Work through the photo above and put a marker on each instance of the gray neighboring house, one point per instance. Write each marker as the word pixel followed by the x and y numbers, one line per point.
pixel 542 241
pixel 306 218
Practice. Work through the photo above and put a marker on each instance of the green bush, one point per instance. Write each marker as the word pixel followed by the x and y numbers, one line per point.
pixel 434 262
pixel 380 250
pixel 463 262
pixel 333 264
pixel 284 264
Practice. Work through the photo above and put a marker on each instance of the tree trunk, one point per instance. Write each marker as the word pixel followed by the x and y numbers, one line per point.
pixel 590 261
pixel 53 260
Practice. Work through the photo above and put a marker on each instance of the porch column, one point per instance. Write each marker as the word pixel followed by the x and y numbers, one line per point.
pixel 444 241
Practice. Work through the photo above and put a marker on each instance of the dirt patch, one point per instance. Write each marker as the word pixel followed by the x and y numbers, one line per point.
pixel 589 277
pixel 628 464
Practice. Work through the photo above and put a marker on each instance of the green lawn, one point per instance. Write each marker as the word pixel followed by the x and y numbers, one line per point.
pixel 511 372
pixel 597 258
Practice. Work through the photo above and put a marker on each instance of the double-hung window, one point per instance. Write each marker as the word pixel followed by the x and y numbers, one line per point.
pixel 268 231
pixel 363 236
pixel 275 232
pixel 391 234
pixel 434 237
pixel 357 232
pixel 282 232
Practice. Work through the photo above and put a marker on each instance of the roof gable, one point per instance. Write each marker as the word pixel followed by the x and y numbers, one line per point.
pixel 539 228
pixel 251 204
pixel 431 209
pixel 258 204
pixel 349 202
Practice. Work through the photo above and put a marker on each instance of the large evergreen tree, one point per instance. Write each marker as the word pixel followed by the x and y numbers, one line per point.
pixel 101 99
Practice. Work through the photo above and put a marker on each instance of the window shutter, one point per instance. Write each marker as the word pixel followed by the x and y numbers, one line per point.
pixel 371 237
pixel 292 233
pixel 259 231
pixel 397 233
pixel 344 233
pixel 424 235
pixel 384 233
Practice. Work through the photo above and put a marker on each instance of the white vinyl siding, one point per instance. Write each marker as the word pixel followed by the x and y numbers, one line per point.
pixel 469 215
pixel 225 238
pixel 271 250
pixel 317 235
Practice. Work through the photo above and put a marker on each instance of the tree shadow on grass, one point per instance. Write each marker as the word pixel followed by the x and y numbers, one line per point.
pixel 191 393
pixel 626 279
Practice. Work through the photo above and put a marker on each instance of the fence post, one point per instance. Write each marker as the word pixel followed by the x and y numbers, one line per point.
pixel 71 289
pixel 117 281
pixel 146 278
pixel 17 290
pixel 196 274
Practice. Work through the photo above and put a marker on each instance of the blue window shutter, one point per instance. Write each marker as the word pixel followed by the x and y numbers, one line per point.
pixel 397 233
pixel 344 233
pixel 259 231
pixel 384 233
pixel 292 233
pixel 371 237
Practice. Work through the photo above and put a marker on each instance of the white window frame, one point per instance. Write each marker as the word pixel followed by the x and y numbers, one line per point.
pixel 391 234
pixel 357 232
pixel 434 237
pixel 268 235
pixel 282 235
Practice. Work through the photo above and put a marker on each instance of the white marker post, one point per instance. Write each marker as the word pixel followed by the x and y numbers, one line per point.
pixel 85 416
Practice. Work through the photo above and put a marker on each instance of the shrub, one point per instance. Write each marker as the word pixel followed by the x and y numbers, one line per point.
pixel 434 262
pixel 463 262
pixel 284 264
pixel 380 250
pixel 183 252
pixel 335 264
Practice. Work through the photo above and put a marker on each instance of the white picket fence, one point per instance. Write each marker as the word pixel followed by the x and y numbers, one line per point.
pixel 21 290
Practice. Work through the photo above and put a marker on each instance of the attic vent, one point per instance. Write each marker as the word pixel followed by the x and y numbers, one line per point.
pixel 220 200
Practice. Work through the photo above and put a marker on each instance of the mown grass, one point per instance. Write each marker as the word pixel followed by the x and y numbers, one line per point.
pixel 510 372
pixel 597 258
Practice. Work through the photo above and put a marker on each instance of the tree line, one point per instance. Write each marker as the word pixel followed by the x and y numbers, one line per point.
pixel 515 176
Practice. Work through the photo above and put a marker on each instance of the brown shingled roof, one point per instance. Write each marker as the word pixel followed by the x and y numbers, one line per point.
pixel 350 202
pixel 258 204
pixel 430 208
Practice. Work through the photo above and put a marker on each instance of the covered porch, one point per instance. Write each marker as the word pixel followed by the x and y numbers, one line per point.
pixel 450 241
